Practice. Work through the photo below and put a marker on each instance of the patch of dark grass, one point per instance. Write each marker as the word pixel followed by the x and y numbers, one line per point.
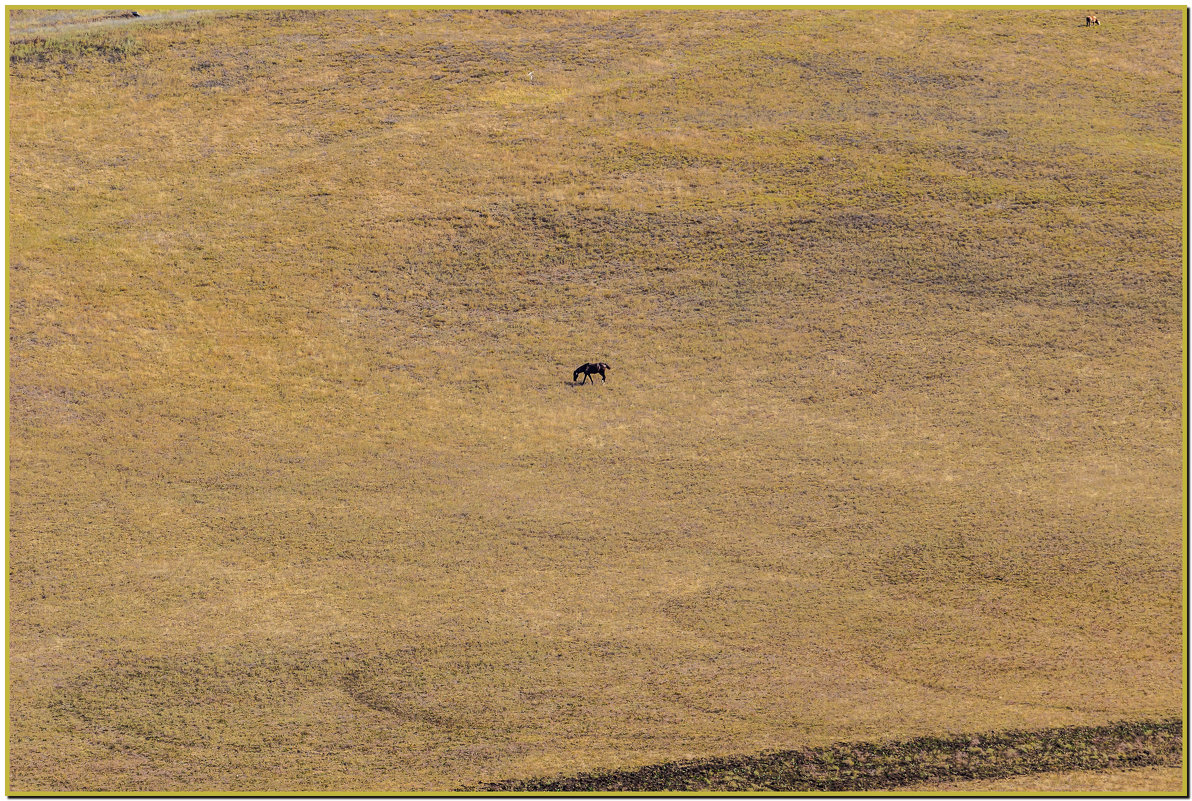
pixel 858 767
pixel 69 51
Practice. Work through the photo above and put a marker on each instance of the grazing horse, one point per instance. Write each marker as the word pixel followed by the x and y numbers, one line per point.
pixel 590 369
pixel 1091 19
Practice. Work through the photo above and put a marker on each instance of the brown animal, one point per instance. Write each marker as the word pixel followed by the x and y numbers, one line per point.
pixel 1091 19
pixel 590 369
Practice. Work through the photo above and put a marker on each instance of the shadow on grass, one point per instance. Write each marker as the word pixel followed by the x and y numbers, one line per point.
pixel 851 767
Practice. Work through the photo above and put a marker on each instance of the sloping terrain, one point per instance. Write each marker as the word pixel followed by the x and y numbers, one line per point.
pixel 302 495
pixel 868 767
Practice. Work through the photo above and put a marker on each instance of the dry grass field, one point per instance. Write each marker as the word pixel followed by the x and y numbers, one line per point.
pixel 301 495
pixel 1144 781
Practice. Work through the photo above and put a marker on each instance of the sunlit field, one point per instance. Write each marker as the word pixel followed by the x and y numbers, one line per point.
pixel 302 495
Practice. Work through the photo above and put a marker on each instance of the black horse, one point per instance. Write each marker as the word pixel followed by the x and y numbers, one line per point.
pixel 590 369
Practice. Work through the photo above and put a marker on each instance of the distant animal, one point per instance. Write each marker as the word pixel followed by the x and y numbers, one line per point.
pixel 1091 19
pixel 590 369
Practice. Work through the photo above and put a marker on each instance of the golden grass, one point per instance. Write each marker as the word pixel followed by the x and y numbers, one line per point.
pixel 1141 781
pixel 301 497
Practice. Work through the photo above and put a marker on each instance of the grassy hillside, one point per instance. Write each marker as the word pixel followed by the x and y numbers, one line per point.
pixel 919 765
pixel 302 496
